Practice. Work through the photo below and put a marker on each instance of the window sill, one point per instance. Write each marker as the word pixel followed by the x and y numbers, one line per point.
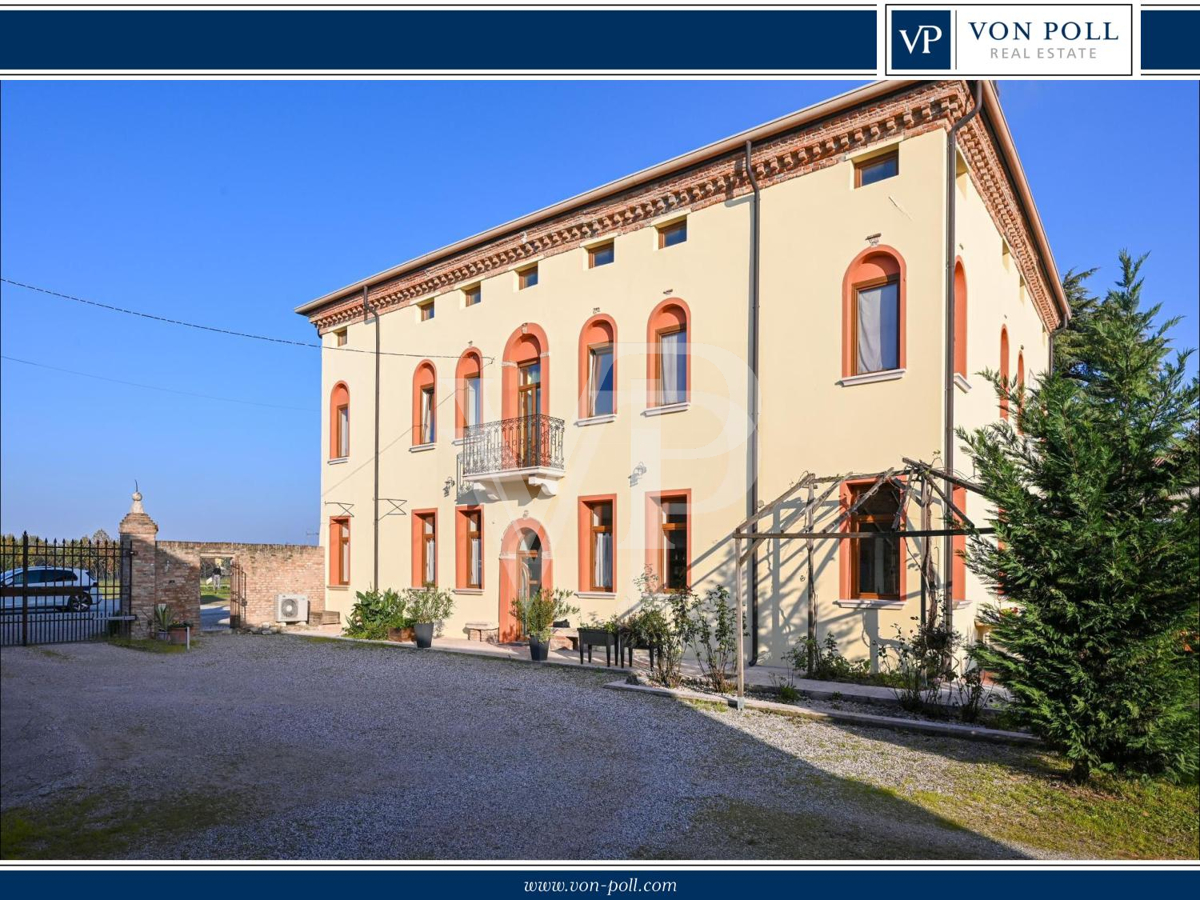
pixel 596 595
pixel 869 604
pixel 961 383
pixel 458 442
pixel 871 377
pixel 339 461
pixel 474 592
pixel 595 420
pixel 666 409
pixel 337 587
pixel 421 448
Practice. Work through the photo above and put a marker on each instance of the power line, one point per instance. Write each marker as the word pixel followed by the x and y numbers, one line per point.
pixel 225 331
pixel 154 387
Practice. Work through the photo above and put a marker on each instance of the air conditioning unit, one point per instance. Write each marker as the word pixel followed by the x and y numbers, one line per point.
pixel 291 608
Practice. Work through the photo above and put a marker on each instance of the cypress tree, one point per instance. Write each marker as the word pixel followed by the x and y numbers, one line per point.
pixel 1096 558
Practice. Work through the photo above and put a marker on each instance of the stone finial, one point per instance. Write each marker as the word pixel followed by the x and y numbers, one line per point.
pixel 136 521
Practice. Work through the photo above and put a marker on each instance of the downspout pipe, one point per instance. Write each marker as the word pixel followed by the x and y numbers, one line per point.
pixel 368 311
pixel 951 244
pixel 752 399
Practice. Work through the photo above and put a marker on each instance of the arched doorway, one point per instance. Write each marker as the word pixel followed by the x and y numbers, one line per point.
pixel 526 566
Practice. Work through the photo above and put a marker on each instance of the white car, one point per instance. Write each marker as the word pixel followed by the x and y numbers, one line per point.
pixel 56 588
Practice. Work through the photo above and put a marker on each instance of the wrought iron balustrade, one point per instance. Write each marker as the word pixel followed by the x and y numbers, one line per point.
pixel 508 445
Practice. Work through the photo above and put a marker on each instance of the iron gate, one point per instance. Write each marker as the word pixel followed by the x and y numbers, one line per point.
pixel 54 592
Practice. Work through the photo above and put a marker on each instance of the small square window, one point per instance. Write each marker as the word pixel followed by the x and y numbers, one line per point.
pixel 340 337
pixel 426 310
pixel 473 295
pixel 527 278
pixel 877 168
pixel 602 255
pixel 670 235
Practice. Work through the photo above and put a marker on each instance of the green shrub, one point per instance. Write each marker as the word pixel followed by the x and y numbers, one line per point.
pixel 428 605
pixel 539 612
pixel 828 664
pixel 375 612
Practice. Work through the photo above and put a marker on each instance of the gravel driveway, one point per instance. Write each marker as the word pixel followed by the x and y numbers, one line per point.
pixel 279 747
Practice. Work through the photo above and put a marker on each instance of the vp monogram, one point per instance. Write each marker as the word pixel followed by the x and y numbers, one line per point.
pixel 926 35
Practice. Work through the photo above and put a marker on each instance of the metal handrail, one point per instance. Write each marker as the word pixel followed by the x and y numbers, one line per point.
pixel 505 445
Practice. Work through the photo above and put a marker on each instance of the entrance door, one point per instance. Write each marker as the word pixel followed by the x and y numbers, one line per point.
pixel 526 581
pixel 529 410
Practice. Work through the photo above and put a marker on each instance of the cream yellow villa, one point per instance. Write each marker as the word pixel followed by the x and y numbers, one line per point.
pixel 612 384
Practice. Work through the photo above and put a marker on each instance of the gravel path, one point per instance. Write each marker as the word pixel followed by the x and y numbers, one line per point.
pixel 323 750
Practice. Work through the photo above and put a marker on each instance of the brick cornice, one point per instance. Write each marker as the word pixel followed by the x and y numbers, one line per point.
pixel 905 114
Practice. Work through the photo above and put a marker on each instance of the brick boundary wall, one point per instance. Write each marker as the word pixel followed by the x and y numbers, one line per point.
pixel 169 572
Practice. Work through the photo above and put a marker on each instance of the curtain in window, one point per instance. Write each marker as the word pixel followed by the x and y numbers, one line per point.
pixel 602 576
pixel 427 436
pixel 879 328
pixel 600 382
pixel 475 560
pixel 345 554
pixel 343 435
pixel 472 410
pixel 673 350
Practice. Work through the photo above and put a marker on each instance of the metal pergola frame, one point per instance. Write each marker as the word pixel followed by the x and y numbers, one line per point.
pixel 914 480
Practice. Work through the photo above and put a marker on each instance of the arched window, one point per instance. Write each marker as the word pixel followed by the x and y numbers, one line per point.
pixel 598 368
pixel 873 313
pixel 525 375
pixel 468 392
pixel 339 421
pixel 669 370
pixel 1004 371
pixel 960 320
pixel 424 425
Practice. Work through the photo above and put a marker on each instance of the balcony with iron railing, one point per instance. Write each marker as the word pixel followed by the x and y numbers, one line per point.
pixel 524 448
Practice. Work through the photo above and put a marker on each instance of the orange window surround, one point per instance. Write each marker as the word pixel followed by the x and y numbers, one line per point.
pixel 873 267
pixel 339 551
pixel 1004 370
pixel 596 332
pixel 959 543
pixel 424 547
pixel 658 504
pixel 339 421
pixel 588 529
pixel 526 345
pixel 670 317
pixel 424 381
pixel 960 320
pixel 470 365
pixel 468 542
pixel 877 514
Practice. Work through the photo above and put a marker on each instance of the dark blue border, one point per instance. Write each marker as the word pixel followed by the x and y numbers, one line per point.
pixel 635 40
pixel 1170 40
pixel 496 885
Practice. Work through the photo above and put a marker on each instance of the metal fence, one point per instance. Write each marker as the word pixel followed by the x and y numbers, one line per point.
pixel 53 592
pixel 523 442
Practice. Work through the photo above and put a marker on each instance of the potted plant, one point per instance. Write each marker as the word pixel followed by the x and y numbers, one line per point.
pixel 538 613
pixel 427 607
pixel 177 633
pixel 164 619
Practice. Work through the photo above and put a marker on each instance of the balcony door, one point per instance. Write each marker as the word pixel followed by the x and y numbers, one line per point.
pixel 529 411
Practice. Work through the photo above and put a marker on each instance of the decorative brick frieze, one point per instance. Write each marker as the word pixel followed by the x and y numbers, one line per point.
pixel 914 111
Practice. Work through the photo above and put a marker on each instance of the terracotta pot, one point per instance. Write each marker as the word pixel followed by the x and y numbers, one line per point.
pixel 177 634
pixel 402 635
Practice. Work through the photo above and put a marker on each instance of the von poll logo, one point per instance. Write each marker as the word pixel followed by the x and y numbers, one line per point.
pixel 921 39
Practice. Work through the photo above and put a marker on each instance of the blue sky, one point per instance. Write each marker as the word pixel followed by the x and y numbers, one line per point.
pixel 229 203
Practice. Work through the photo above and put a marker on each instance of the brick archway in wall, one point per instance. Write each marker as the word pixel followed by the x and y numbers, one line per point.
pixel 512 555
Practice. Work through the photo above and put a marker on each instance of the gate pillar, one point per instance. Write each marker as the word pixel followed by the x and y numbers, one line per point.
pixel 139 533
